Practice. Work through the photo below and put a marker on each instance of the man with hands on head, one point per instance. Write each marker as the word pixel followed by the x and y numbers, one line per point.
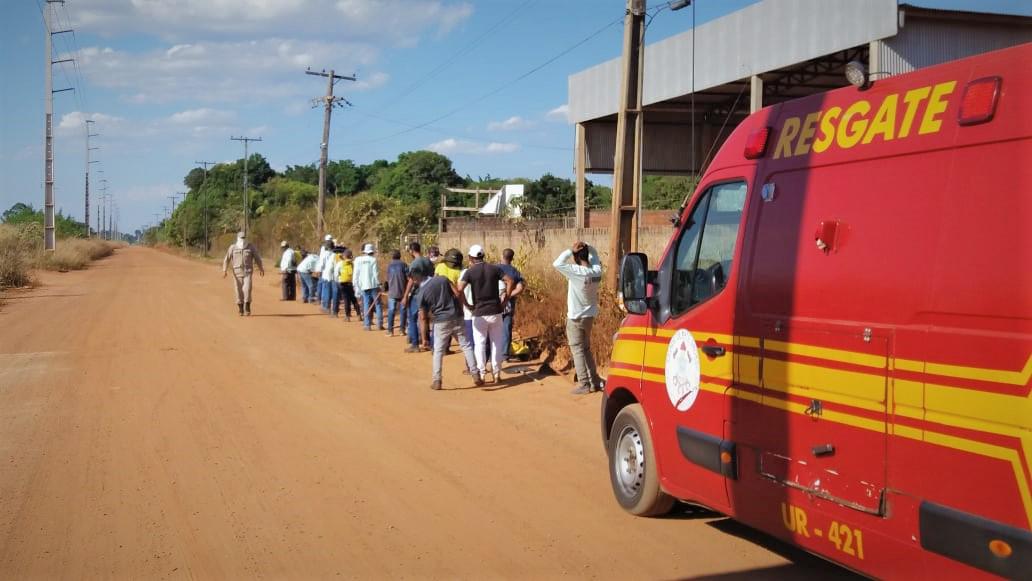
pixel 583 277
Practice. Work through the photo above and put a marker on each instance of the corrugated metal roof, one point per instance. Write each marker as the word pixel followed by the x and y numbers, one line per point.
pixel 761 37
pixel 923 42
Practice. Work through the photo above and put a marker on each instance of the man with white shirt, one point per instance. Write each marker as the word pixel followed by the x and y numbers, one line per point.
pixel 583 276
pixel 288 270
pixel 366 280
pixel 323 264
pixel 304 272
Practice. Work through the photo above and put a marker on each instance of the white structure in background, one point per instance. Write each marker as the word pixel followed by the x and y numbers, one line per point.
pixel 503 202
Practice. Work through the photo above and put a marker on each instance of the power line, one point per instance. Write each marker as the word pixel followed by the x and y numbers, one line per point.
pixel 432 73
pixel 465 106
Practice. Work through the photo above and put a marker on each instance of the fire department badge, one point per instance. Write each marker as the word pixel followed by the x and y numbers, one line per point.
pixel 682 370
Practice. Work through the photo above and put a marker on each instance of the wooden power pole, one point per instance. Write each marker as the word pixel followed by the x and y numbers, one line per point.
pixel 623 231
pixel 329 102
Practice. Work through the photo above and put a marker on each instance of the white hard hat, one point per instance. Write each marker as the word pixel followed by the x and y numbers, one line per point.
pixel 328 237
pixel 368 249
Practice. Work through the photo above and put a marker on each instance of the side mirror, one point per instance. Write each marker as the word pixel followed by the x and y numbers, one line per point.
pixel 633 276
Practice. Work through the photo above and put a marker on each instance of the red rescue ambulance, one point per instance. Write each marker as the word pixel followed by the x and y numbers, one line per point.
pixel 836 345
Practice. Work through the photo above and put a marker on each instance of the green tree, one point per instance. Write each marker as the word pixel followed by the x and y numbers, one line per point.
pixel 308 174
pixel 418 176
pixel 665 192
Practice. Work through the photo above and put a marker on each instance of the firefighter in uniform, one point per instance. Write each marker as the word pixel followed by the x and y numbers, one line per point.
pixel 242 255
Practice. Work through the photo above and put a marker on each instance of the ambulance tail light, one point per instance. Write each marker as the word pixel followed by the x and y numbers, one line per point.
pixel 978 105
pixel 756 144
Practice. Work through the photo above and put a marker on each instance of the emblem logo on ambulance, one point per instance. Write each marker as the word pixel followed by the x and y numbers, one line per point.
pixel 682 370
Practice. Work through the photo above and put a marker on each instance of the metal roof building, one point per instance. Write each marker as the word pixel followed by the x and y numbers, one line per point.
pixel 766 53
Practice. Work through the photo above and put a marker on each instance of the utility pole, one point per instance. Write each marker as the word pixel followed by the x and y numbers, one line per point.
pixel 205 164
pixel 247 206
pixel 110 217
pixel 88 162
pixel 173 198
pixel 623 230
pixel 329 101
pixel 49 235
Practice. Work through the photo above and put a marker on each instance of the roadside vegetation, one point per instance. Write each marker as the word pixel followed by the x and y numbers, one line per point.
pixel 21 246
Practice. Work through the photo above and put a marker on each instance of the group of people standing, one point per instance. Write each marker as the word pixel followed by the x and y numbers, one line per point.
pixel 438 298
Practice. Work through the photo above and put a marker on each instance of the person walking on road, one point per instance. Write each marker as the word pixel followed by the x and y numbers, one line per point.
pixel 397 282
pixel 419 270
pixel 583 276
pixel 304 272
pixel 509 314
pixel 288 270
pixel 487 306
pixel 367 283
pixel 440 299
pixel 242 255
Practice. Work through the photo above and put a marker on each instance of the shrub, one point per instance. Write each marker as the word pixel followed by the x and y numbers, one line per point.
pixel 15 250
pixel 75 254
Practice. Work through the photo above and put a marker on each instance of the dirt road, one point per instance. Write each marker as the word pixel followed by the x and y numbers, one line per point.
pixel 147 431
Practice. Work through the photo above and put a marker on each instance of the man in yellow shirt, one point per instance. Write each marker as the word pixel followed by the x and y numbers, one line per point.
pixel 451 266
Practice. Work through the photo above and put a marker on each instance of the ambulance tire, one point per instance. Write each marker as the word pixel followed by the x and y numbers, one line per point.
pixel 632 465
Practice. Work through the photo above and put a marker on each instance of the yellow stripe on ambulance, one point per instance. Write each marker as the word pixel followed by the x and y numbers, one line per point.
pixel 863 122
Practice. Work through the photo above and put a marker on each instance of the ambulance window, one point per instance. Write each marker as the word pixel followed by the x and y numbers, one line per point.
pixel 705 251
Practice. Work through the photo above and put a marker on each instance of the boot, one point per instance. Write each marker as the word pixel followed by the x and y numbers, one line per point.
pixel 247 309
pixel 240 307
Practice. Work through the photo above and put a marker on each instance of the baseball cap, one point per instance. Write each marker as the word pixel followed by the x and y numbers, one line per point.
pixel 476 251
pixel 368 249
pixel 241 234
pixel 328 237
pixel 283 244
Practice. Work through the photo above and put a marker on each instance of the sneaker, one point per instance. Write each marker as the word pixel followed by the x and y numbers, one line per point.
pixel 364 328
pixel 411 349
pixel 435 385
pixel 492 375
pixel 582 390
pixel 381 328
pixel 477 380
pixel 389 333
pixel 347 319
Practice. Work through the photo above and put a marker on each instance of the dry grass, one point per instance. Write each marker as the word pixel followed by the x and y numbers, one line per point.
pixel 75 254
pixel 21 250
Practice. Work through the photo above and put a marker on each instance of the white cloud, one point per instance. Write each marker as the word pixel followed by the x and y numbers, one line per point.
pixel 453 146
pixel 270 69
pixel 393 21
pixel 511 124
pixel 560 113
pixel 203 116
pixel 75 121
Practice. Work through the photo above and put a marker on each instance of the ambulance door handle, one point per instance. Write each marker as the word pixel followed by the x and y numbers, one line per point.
pixel 714 350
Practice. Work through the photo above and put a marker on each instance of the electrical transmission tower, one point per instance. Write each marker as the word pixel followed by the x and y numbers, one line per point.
pixel 329 102
pixel 88 162
pixel 247 205
pixel 49 235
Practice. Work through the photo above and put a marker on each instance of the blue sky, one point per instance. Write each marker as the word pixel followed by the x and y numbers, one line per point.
pixel 169 81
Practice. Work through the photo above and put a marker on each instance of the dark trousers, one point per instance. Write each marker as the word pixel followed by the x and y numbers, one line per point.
pixel 289 287
pixel 507 319
pixel 347 296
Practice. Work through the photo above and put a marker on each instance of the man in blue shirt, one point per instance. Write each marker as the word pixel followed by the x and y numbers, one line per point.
pixel 509 315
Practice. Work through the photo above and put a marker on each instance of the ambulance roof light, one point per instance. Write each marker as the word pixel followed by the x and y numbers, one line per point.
pixel 978 105
pixel 756 143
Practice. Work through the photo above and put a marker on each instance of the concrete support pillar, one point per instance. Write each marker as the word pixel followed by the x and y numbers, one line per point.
pixel 874 57
pixel 755 93
pixel 579 161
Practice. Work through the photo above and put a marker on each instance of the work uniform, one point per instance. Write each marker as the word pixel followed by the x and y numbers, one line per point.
pixel 242 258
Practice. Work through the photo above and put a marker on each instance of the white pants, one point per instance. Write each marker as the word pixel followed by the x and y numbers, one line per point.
pixel 488 328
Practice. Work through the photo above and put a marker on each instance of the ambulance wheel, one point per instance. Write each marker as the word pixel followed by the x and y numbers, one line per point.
pixel 632 465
